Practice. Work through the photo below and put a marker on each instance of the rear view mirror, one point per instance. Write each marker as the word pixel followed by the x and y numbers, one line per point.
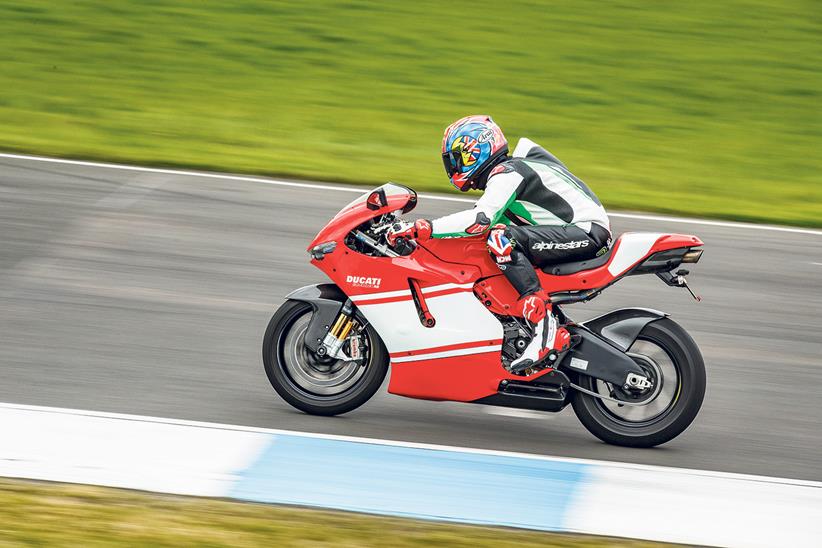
pixel 376 200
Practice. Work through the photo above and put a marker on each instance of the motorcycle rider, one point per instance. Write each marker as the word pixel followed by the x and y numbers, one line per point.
pixel 536 212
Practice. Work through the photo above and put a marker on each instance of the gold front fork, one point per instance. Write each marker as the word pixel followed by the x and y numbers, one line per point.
pixel 339 331
pixel 342 326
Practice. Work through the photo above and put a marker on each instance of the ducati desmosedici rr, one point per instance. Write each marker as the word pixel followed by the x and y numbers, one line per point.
pixel 443 316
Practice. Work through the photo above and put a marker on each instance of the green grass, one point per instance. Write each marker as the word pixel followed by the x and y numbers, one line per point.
pixel 709 108
pixel 41 514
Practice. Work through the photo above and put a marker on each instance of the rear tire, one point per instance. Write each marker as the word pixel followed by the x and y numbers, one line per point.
pixel 303 379
pixel 603 419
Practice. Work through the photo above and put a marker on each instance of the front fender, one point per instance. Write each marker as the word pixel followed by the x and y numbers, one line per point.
pixel 622 327
pixel 326 300
pixel 310 293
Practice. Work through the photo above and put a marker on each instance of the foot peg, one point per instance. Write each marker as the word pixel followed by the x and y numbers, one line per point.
pixel 575 340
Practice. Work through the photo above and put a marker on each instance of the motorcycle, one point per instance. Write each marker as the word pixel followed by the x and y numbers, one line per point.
pixel 443 315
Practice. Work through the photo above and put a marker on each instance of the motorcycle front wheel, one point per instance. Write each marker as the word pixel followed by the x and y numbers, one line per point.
pixel 671 358
pixel 315 384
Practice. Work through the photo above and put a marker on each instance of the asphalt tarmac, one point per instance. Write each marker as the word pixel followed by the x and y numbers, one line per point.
pixel 148 293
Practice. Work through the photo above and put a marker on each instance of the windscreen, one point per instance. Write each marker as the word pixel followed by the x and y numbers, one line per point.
pixel 391 190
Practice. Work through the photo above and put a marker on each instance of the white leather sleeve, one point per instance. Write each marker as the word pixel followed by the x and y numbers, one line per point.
pixel 500 191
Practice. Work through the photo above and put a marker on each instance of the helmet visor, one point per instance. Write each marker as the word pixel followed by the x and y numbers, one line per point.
pixel 452 160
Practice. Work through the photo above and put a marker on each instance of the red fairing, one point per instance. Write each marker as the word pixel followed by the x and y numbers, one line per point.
pixel 362 275
pixel 459 357
pixel 473 251
pixel 497 293
pixel 604 275
pixel 458 378
pixel 358 212
pixel 501 295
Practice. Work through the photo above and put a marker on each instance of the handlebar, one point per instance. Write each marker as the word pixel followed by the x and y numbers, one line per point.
pixel 372 236
pixel 375 245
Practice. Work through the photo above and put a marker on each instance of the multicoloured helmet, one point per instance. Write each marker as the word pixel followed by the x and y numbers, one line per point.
pixel 470 145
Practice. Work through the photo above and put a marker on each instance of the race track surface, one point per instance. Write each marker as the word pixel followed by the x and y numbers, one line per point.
pixel 148 293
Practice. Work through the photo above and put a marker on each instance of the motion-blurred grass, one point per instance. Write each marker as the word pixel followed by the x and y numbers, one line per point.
pixel 37 514
pixel 703 108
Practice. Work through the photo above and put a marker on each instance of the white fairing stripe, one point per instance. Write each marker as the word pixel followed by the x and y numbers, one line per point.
pixel 633 246
pixel 407 292
pixel 383 295
pixel 460 317
pixel 448 354
pixel 447 286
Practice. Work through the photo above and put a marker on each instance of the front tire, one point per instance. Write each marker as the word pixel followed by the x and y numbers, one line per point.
pixel 666 351
pixel 312 384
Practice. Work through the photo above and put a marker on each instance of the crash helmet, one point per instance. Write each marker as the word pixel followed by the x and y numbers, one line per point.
pixel 469 147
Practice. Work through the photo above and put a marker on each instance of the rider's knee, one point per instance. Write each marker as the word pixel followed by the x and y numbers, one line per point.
pixel 500 243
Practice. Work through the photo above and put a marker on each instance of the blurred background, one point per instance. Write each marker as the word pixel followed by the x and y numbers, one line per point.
pixel 702 108
pixel 148 293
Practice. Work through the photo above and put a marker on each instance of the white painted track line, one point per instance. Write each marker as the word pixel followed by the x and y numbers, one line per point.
pixel 360 190
pixel 436 482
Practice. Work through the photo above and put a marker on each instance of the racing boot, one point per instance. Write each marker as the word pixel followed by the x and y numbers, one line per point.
pixel 549 339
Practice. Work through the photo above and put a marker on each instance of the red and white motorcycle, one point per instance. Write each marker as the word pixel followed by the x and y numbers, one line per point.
pixel 442 315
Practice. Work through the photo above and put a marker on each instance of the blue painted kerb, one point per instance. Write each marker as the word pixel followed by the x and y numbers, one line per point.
pixel 406 481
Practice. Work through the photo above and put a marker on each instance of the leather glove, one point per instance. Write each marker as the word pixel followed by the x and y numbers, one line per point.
pixel 419 230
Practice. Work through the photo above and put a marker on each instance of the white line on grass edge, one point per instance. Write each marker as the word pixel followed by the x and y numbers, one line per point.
pixel 360 190
pixel 414 445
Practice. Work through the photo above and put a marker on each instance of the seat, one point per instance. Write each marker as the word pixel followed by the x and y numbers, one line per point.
pixel 566 269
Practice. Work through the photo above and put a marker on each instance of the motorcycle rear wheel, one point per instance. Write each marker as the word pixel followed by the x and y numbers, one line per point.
pixel 313 384
pixel 667 351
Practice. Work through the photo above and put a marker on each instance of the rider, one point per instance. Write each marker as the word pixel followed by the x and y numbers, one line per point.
pixel 537 213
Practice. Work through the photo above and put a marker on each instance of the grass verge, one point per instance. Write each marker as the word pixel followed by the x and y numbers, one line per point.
pixel 39 514
pixel 699 108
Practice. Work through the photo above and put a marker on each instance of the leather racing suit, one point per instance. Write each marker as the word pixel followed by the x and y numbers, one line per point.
pixel 550 216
